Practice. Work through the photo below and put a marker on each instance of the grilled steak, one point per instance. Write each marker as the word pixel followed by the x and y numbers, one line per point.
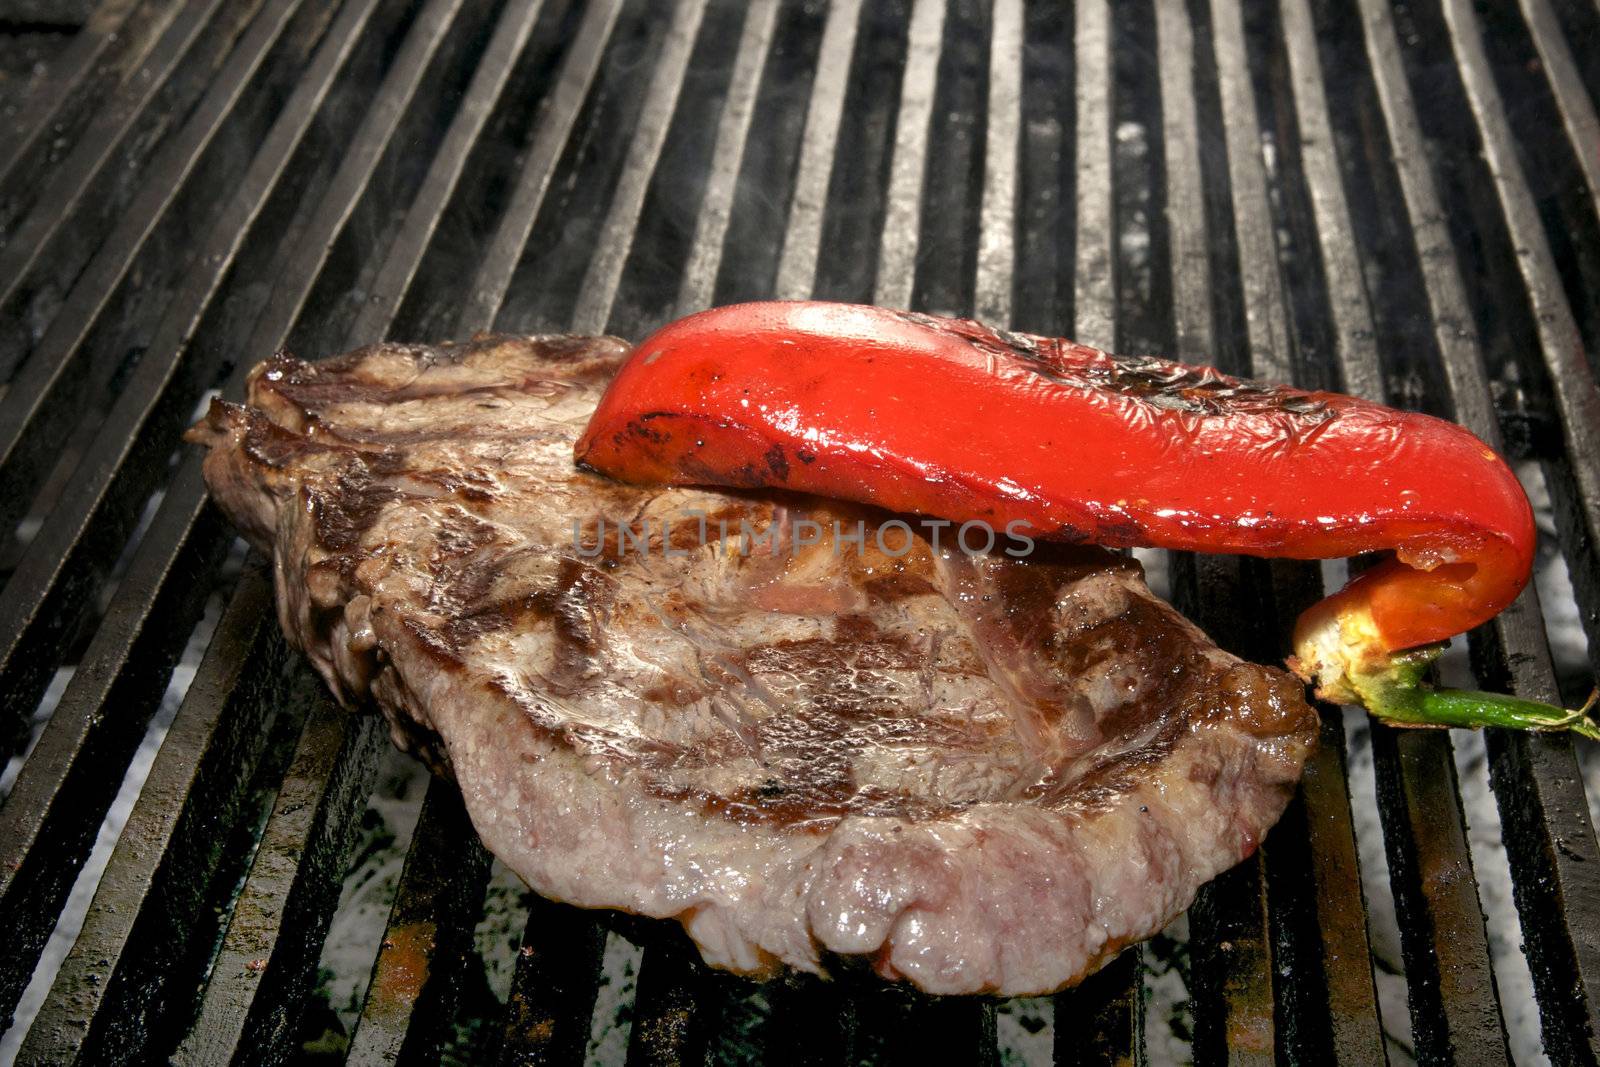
pixel 981 773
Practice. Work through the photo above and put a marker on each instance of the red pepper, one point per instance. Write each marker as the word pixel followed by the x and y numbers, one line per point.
pixel 951 418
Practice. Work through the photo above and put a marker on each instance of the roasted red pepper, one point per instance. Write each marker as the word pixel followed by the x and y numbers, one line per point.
pixel 951 418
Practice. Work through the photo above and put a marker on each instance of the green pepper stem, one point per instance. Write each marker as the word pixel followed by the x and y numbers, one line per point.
pixel 1342 654
pixel 1472 710
pixel 1398 694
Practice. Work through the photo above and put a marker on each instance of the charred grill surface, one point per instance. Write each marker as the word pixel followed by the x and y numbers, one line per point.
pixel 1399 201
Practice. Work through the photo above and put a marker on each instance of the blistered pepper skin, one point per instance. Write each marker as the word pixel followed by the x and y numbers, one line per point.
pixel 953 419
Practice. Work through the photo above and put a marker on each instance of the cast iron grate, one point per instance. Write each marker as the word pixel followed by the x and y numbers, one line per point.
pixel 1403 202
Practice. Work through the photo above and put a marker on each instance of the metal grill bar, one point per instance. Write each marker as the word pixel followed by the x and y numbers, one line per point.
pixel 48 822
pixel 44 400
pixel 1099 1021
pixel 553 990
pixel 1231 927
pixel 797 263
pixel 1461 986
pixel 1577 110
pixel 1094 283
pixel 1576 394
pixel 66 784
pixel 902 1031
pixel 671 1020
pixel 1099 1015
pixel 1340 913
pixel 1266 329
pixel 1188 250
pixel 192 32
pixel 69 778
pixel 268 959
pixel 1280 955
pixel 813 1025
pixel 951 221
pixel 147 920
pixel 897 256
pixel 359 163
pixel 1041 239
pixel 1356 337
pixel 855 223
pixel 555 126
pixel 1228 952
pixel 1537 779
pixel 1454 1005
pixel 716 209
pixel 187 535
pixel 430 927
pixel 422 219
pixel 997 224
pixel 61 84
pixel 1230 945
pixel 1272 936
pixel 411 1000
pixel 114 42
pixel 62 570
pixel 622 221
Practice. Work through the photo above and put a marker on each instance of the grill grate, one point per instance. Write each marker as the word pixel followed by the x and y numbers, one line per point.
pixel 1403 202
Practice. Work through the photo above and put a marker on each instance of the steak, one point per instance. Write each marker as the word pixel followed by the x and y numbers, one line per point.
pixel 980 771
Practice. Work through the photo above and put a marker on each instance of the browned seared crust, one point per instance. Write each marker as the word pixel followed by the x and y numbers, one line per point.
pixel 984 774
